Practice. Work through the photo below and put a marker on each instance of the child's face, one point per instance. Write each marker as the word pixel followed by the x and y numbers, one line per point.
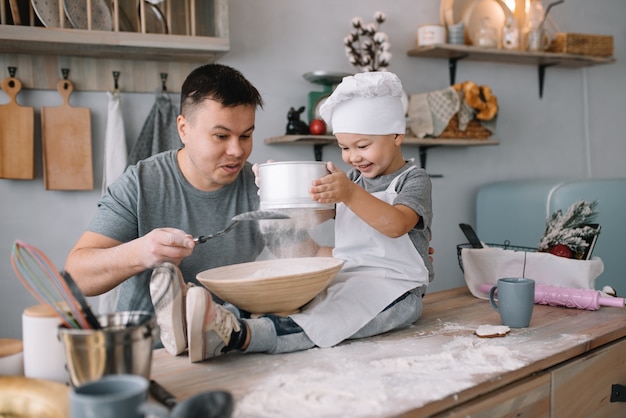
pixel 372 155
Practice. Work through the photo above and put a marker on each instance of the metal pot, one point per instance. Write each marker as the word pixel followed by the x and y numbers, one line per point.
pixel 123 346
pixel 285 185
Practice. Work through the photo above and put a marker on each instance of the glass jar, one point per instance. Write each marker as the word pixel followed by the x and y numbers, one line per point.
pixel 533 27
pixel 510 33
pixel 486 35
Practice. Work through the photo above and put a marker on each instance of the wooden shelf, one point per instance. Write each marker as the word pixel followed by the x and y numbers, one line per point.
pixel 454 53
pixel 122 45
pixel 194 35
pixel 319 141
pixel 408 140
pixel 474 53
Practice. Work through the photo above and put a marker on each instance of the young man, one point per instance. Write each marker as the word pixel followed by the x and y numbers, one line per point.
pixel 150 214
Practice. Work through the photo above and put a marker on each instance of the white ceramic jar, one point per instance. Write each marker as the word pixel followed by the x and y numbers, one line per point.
pixel 431 35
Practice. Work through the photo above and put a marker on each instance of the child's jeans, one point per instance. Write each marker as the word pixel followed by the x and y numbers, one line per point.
pixel 280 334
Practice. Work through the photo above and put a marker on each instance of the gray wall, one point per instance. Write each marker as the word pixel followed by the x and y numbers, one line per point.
pixel 576 130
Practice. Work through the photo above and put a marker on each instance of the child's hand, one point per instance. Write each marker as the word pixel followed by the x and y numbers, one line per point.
pixel 333 188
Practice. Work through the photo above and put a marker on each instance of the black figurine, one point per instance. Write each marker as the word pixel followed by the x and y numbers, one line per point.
pixel 294 125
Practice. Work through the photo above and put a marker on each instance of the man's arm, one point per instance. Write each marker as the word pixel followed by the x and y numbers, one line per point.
pixel 99 263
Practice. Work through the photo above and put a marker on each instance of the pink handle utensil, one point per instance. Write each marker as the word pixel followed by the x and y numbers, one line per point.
pixel 588 299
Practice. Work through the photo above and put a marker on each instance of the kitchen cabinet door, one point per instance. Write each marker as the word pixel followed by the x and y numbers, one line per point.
pixel 582 387
pixel 529 398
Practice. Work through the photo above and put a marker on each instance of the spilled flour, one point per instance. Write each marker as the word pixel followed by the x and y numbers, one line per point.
pixel 371 378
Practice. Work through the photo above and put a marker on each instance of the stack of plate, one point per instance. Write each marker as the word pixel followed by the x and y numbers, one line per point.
pixel 75 15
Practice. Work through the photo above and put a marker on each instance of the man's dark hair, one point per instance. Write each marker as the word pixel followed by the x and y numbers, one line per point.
pixel 218 82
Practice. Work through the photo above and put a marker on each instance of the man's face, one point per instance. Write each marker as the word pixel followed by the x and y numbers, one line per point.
pixel 218 142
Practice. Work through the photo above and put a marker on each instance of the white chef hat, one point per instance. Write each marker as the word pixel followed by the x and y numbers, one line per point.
pixel 366 103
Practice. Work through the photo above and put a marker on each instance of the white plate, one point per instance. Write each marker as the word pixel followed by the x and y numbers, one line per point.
pixel 101 18
pixel 479 12
pixel 48 13
pixel 471 13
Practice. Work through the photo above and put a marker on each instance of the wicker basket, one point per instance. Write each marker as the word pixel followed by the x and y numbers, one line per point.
pixel 474 130
pixel 583 44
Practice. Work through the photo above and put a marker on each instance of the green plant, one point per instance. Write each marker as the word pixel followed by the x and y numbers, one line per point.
pixel 570 229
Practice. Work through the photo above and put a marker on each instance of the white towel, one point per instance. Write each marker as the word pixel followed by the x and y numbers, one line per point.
pixel 115 151
pixel 115 161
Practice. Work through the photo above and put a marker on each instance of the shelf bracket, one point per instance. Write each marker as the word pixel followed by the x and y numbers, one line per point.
pixel 452 67
pixel 542 75
pixel 423 154
pixel 318 151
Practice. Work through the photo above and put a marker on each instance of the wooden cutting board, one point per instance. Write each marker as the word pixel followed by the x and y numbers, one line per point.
pixel 17 141
pixel 66 138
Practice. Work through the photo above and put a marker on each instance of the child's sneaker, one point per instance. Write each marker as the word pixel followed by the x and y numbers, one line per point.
pixel 167 290
pixel 212 329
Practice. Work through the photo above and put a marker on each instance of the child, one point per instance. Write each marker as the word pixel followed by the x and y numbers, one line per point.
pixel 382 231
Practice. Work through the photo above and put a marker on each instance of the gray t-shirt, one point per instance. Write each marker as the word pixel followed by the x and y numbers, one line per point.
pixel 154 194
pixel 414 190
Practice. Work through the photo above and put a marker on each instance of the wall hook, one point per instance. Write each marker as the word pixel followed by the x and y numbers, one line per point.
pixel 66 73
pixel 163 80
pixel 116 76
pixel 12 71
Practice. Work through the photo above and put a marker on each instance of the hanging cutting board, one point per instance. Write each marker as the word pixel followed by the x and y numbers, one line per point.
pixel 66 138
pixel 17 143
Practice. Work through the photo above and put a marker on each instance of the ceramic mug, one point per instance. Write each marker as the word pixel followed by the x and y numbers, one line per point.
pixel 113 396
pixel 515 301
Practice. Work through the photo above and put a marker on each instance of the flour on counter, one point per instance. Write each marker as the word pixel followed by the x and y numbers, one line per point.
pixel 400 376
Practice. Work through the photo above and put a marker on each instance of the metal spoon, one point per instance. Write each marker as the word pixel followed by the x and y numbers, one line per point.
pixel 212 404
pixel 246 216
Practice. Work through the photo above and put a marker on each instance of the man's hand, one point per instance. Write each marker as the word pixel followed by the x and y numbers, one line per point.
pixel 165 244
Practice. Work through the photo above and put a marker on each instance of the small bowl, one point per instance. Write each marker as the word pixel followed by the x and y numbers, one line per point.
pixel 280 286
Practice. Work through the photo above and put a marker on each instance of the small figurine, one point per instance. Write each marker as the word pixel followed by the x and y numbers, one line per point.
pixel 294 124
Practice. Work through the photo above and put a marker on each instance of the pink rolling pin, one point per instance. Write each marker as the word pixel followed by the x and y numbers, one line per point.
pixel 571 298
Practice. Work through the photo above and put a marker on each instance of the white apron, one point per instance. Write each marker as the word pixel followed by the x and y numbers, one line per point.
pixel 377 270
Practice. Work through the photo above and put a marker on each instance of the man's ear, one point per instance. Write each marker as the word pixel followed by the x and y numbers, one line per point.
pixel 183 125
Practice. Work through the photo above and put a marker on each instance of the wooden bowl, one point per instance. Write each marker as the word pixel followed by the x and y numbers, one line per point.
pixel 279 286
pixel 25 397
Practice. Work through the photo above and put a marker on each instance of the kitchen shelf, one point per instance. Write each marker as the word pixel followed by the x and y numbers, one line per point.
pixel 197 32
pixel 320 141
pixel 543 60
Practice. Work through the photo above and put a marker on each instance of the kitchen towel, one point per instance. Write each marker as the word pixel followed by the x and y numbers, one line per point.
pixel 159 132
pixel 487 265
pixel 115 151
pixel 429 113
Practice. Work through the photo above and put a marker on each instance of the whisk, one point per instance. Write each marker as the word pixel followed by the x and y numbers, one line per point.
pixel 45 283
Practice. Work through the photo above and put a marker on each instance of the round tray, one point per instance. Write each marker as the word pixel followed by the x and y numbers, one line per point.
pixel 326 78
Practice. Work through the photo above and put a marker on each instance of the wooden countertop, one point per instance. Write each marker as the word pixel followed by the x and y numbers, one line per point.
pixel 435 364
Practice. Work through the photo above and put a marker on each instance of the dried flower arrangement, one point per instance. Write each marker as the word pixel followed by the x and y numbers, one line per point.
pixel 367 48
pixel 568 235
